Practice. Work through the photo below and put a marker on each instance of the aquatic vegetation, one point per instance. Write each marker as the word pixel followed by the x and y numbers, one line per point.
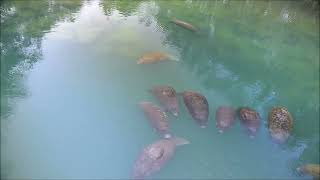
pixel 126 8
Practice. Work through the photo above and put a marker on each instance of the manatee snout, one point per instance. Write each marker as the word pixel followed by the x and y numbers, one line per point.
pixel 202 119
pixel 225 117
pixel 279 136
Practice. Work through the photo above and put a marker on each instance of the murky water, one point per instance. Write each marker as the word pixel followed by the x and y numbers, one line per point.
pixel 70 85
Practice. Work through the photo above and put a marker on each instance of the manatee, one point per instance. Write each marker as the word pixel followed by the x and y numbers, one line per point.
pixel 157 117
pixel 197 106
pixel 251 119
pixel 225 118
pixel 184 25
pixel 280 123
pixel 153 57
pixel 310 169
pixel 155 156
pixel 167 96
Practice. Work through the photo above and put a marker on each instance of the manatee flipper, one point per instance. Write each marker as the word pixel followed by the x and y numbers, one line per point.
pixel 179 141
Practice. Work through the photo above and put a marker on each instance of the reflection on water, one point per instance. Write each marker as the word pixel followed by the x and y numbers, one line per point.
pixel 70 85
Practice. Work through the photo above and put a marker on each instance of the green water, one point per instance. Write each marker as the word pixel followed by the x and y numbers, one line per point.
pixel 70 85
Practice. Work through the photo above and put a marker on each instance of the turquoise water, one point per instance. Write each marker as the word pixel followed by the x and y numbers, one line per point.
pixel 70 86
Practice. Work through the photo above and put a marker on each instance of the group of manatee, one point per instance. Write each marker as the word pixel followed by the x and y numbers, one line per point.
pixel 155 155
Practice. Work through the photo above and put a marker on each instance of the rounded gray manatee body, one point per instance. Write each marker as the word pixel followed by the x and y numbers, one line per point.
pixel 155 156
pixel 184 25
pixel 197 106
pixel 280 123
pixel 157 117
pixel 167 96
pixel 225 118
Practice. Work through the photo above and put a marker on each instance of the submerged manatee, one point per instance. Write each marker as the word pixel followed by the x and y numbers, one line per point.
pixel 311 169
pixel 225 117
pixel 197 106
pixel 155 156
pixel 280 124
pixel 157 117
pixel 167 96
pixel 184 24
pixel 251 119
pixel 154 57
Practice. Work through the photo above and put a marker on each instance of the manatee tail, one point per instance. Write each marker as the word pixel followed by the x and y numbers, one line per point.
pixel 179 141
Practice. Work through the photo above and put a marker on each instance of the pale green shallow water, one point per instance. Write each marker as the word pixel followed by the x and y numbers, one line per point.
pixel 70 86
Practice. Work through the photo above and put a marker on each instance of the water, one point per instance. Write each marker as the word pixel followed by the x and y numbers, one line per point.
pixel 70 85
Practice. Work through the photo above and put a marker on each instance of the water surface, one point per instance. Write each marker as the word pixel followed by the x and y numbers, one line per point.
pixel 70 85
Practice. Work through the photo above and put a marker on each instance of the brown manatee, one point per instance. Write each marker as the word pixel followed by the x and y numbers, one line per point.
pixel 157 117
pixel 155 156
pixel 280 124
pixel 197 106
pixel 184 25
pixel 167 96
pixel 153 57
pixel 251 119
pixel 310 169
pixel 225 118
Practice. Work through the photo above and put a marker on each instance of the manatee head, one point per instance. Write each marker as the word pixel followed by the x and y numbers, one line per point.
pixel 202 119
pixel 141 61
pixel 223 124
pixel 279 136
